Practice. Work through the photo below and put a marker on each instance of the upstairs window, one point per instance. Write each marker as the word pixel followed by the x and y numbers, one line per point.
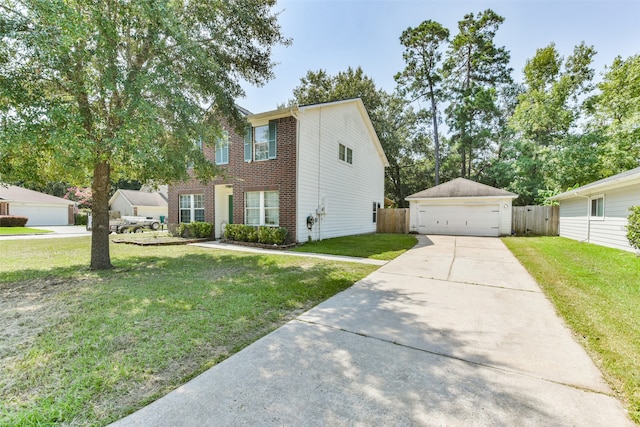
pixel 198 145
pixel 345 154
pixel 222 149
pixel 260 142
pixel 597 207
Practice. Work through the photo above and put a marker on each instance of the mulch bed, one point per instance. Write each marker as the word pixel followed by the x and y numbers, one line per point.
pixel 159 241
pixel 260 245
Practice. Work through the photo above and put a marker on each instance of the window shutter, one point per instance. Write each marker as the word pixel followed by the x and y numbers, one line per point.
pixel 273 131
pixel 248 144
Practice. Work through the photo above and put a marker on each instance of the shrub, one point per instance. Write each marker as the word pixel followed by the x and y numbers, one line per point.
pixel 80 219
pixel 279 235
pixel 252 235
pixel 262 234
pixel 196 230
pixel 633 227
pixel 13 221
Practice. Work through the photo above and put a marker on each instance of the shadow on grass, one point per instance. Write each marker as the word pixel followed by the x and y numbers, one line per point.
pixel 111 341
pixel 363 358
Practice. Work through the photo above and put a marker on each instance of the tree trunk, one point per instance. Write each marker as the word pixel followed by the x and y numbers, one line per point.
pixel 436 142
pixel 100 258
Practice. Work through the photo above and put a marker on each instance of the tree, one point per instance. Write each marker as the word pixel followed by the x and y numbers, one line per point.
pixel 474 69
pixel 98 91
pixel 318 86
pixel 616 113
pixel 406 147
pixel 552 152
pixel 422 77
pixel 391 116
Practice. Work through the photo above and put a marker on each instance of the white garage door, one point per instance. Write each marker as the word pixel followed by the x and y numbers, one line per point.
pixel 459 220
pixel 42 215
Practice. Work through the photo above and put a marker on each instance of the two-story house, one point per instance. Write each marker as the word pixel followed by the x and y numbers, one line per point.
pixel 317 170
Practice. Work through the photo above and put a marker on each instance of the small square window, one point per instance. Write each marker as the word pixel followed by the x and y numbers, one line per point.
pixel 345 153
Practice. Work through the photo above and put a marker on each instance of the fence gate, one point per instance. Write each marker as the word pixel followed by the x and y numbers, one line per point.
pixel 535 220
pixel 393 221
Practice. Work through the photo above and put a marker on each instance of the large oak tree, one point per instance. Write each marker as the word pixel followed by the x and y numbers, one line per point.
pixel 99 90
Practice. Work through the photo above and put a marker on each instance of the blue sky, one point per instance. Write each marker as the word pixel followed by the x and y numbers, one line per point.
pixel 335 34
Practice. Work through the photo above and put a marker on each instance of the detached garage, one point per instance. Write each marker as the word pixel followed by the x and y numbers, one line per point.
pixel 461 208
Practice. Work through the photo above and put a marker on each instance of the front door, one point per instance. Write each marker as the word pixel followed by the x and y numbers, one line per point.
pixel 230 208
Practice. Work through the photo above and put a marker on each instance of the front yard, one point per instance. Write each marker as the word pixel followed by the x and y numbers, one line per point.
pixel 597 291
pixel 85 348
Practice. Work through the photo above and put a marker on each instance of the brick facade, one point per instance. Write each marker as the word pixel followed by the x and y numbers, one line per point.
pixel 267 175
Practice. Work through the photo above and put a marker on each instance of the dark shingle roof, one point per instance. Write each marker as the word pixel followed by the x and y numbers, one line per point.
pixel 19 194
pixel 139 198
pixel 461 187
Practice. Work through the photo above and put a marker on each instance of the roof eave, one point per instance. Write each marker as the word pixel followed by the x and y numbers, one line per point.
pixel 589 189
pixel 502 196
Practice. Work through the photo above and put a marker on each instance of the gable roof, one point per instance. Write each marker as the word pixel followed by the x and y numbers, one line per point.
pixel 140 198
pixel 13 193
pixel 262 118
pixel 461 187
pixel 619 180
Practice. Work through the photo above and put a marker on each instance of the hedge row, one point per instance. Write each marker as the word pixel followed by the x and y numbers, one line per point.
pixel 250 233
pixel 194 230
pixel 13 221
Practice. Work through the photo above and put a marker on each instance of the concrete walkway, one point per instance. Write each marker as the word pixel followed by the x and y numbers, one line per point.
pixel 453 332
pixel 239 248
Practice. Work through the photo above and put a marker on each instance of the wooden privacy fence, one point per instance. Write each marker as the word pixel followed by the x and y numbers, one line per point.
pixel 535 220
pixel 393 221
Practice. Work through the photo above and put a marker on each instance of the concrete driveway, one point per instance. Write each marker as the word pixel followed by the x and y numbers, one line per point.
pixel 453 332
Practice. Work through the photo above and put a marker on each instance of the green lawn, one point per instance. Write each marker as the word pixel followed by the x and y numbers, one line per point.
pixel 597 291
pixel 8 231
pixel 375 246
pixel 86 348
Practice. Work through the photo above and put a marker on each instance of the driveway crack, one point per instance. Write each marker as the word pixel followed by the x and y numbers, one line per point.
pixel 460 359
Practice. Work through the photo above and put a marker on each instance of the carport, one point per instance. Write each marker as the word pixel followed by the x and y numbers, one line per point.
pixel 461 208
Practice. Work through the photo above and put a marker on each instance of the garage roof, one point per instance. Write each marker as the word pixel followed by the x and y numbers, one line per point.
pixel 12 193
pixel 139 198
pixel 461 187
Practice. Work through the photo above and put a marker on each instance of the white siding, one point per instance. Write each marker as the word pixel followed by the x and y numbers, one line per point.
pixel 121 205
pixel 611 230
pixel 346 191
pixel 573 218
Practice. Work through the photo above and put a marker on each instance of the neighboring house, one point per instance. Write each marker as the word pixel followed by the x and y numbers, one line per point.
pixel 461 208
pixel 598 212
pixel 139 203
pixel 317 170
pixel 40 208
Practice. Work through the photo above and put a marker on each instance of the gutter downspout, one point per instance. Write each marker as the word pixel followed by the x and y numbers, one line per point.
pixel 296 116
pixel 588 219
